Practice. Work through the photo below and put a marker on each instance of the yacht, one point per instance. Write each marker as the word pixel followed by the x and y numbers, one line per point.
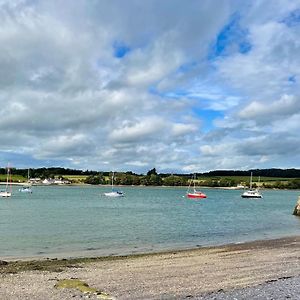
pixel 8 190
pixel 252 193
pixel 194 193
pixel 114 193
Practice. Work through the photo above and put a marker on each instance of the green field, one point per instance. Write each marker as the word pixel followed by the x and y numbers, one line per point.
pixel 75 178
pixel 14 178
pixel 201 180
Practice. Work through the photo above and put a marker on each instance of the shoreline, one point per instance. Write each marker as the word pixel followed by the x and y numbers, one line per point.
pixel 194 273
pixel 104 254
pixel 233 188
pixel 249 245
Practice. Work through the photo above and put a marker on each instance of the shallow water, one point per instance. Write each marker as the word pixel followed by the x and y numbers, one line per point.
pixel 80 221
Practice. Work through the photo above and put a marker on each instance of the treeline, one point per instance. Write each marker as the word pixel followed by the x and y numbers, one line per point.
pixel 48 172
pixel 129 178
pixel 56 171
pixel 286 173
pixel 290 184
pixel 218 178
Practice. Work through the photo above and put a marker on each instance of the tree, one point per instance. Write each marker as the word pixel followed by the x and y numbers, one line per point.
pixel 155 179
pixel 174 180
pixel 152 172
pixel 98 179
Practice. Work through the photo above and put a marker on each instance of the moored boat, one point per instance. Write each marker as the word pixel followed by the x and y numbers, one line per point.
pixel 8 190
pixel 27 187
pixel 251 193
pixel 114 193
pixel 194 194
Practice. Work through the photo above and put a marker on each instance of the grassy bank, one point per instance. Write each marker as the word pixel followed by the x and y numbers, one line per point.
pixel 208 181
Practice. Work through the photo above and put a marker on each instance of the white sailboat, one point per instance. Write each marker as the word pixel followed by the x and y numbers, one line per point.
pixel 252 193
pixel 8 190
pixel 114 193
pixel 27 187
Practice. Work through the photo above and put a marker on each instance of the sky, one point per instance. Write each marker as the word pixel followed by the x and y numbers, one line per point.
pixel 182 86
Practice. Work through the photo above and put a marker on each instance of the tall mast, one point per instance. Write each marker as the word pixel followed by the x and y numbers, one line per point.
pixel 10 180
pixel 7 175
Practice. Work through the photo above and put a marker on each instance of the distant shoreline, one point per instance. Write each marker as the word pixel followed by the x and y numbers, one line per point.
pixel 146 186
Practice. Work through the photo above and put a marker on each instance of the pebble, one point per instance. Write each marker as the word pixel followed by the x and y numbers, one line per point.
pixel 283 288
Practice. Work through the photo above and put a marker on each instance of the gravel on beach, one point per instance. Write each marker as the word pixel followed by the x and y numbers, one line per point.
pixel 255 270
pixel 280 289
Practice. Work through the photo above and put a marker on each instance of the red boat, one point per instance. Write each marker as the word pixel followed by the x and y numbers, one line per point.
pixel 194 193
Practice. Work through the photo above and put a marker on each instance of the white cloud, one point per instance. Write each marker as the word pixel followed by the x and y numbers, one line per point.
pixel 65 96
pixel 144 129
pixel 287 105
pixel 182 129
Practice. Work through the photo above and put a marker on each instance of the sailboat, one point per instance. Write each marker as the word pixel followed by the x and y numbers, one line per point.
pixel 114 193
pixel 8 191
pixel 26 188
pixel 194 193
pixel 251 193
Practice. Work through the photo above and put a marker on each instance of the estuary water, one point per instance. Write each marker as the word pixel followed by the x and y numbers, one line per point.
pixel 74 221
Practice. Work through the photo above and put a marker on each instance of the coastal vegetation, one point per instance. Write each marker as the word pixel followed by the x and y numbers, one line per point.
pixel 264 178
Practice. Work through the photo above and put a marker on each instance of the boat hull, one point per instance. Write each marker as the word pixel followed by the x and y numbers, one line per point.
pixel 26 190
pixel 114 194
pixel 196 195
pixel 251 196
pixel 5 194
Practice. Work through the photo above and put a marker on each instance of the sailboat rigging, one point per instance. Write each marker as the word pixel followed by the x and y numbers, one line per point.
pixel 194 193
pixel 8 190
pixel 26 188
pixel 252 193
pixel 114 193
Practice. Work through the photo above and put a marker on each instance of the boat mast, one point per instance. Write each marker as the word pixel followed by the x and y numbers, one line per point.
pixel 7 175
pixel 190 182
pixel 251 181
pixel 112 180
pixel 8 179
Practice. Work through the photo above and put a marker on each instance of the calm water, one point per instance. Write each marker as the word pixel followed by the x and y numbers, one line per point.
pixel 79 221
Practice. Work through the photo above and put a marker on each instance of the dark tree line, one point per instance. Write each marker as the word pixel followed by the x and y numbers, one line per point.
pixel 50 172
pixel 152 178
pixel 285 173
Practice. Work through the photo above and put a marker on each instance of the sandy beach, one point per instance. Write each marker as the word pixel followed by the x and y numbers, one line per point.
pixel 198 273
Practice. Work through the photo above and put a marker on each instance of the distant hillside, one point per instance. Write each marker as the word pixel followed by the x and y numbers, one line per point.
pixel 56 171
pixel 287 173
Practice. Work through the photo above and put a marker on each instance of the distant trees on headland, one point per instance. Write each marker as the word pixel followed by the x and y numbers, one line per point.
pixel 271 178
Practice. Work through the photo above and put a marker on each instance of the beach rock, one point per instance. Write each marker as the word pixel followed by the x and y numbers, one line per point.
pixel 297 208
pixel 3 262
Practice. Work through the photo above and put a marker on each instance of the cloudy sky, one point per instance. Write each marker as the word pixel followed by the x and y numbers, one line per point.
pixel 182 86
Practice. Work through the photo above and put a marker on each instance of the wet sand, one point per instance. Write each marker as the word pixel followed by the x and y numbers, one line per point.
pixel 170 275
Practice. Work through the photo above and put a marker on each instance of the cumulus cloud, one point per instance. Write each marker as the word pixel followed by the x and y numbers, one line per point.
pixel 141 130
pixel 287 105
pixel 114 85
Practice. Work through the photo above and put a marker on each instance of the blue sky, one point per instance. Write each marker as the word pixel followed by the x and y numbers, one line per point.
pixel 179 86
